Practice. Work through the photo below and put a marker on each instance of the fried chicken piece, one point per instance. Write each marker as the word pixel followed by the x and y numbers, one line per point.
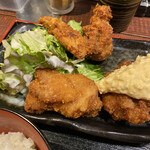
pixel 87 104
pixel 33 105
pixel 99 33
pixel 123 107
pixel 97 42
pixel 85 101
pixel 71 39
pixel 60 88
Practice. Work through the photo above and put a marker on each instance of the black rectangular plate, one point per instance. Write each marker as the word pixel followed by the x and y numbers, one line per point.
pixel 102 125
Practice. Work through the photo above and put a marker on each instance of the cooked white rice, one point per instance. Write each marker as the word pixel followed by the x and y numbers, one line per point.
pixel 16 141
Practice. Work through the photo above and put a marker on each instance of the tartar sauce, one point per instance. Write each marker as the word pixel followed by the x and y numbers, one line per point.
pixel 132 80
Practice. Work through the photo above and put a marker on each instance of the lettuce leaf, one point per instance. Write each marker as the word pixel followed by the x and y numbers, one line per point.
pixel 31 42
pixel 7 47
pixel 76 26
pixel 26 63
pixel 56 47
pixel 93 72
pixel 11 82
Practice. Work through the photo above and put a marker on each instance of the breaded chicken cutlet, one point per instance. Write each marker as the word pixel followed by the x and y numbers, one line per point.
pixel 97 42
pixel 70 95
pixel 71 39
pixel 123 107
pixel 99 34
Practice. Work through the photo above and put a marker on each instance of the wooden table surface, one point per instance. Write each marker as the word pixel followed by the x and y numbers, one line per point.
pixel 139 26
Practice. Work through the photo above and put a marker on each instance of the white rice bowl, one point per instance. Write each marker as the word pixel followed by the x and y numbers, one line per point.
pixel 16 141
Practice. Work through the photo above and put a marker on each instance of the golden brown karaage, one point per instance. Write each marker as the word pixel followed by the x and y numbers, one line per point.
pixel 70 95
pixel 99 33
pixel 97 42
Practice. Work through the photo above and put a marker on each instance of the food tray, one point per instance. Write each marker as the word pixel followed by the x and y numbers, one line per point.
pixel 102 125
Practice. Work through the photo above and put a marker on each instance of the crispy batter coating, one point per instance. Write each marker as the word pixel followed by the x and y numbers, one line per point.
pixel 99 33
pixel 88 103
pixel 60 88
pixel 34 105
pixel 123 107
pixel 85 101
pixel 71 39
pixel 97 42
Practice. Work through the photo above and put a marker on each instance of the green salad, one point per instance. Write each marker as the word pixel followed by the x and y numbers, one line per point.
pixel 33 49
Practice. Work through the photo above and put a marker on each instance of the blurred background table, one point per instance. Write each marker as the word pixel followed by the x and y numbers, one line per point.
pixel 139 28
pixel 64 139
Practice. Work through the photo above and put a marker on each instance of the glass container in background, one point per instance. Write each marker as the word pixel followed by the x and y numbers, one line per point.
pixel 122 11
pixel 60 6
pixel 13 5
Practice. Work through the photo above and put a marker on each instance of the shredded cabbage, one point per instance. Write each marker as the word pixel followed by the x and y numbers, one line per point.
pixel 33 49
